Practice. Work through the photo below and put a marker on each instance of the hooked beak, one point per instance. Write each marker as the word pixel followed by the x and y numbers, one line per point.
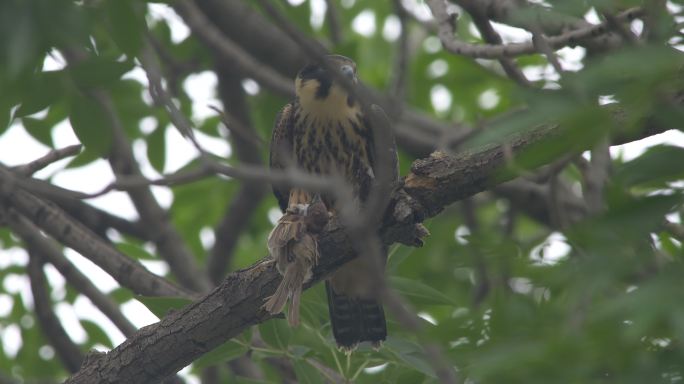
pixel 348 71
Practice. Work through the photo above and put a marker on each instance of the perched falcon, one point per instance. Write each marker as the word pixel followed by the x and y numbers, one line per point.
pixel 324 131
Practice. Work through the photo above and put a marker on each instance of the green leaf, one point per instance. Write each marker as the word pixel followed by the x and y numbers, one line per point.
pixel 275 333
pixel 306 373
pixel 419 292
pixel 226 352
pixel 95 334
pixel 90 124
pixel 156 148
pixel 245 380
pixel 656 166
pixel 39 129
pixel 99 71
pixel 44 89
pixel 135 251
pixel 121 295
pixel 5 114
pixel 408 353
pixel 86 156
pixel 161 306
pixel 126 25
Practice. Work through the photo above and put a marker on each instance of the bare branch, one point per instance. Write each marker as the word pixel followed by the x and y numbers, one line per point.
pixel 128 183
pixel 542 45
pixel 526 15
pixel 487 51
pixel 239 129
pixel 492 37
pixel 51 157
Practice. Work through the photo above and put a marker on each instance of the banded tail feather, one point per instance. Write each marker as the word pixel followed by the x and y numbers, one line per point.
pixel 355 320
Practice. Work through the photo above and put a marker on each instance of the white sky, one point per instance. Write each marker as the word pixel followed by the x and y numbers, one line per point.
pixel 18 147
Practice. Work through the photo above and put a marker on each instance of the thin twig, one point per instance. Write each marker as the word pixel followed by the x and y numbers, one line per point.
pixel 542 45
pixel 128 183
pixel 237 128
pixel 488 51
pixel 51 157
pixel 290 176
pixel 491 36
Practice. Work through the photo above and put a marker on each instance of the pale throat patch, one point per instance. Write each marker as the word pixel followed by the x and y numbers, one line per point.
pixel 333 107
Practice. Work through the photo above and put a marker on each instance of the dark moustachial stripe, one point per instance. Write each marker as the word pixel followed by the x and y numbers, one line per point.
pixel 324 87
pixel 350 101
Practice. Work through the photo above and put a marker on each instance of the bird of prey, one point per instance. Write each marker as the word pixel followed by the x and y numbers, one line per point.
pixel 324 131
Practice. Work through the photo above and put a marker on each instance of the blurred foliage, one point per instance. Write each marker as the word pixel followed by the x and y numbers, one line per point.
pixel 502 305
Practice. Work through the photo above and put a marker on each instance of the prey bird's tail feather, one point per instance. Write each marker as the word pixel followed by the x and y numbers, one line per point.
pixel 355 319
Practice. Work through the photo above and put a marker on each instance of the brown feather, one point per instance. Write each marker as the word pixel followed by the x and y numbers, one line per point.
pixel 295 252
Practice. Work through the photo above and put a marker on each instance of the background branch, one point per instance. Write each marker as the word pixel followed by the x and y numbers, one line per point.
pixel 66 349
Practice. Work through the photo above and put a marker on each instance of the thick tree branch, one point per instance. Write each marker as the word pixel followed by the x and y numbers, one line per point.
pixel 73 234
pixel 51 157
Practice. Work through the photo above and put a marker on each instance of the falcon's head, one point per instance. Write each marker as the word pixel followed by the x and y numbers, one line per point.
pixel 318 91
